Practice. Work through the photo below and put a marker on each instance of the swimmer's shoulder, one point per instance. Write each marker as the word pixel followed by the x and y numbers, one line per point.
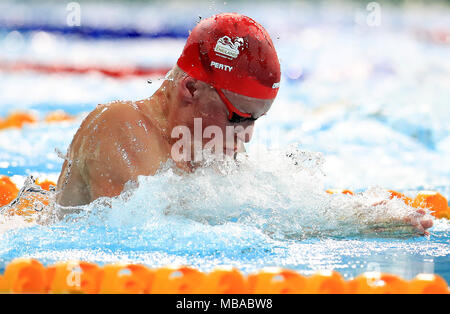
pixel 116 123
pixel 100 123
pixel 116 111
pixel 110 116
pixel 123 112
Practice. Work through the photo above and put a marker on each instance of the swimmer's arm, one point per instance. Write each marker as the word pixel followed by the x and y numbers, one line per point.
pixel 115 158
pixel 71 188
pixel 107 172
pixel 114 150
pixel 412 222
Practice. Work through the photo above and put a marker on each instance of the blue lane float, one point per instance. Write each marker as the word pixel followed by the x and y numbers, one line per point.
pixel 89 32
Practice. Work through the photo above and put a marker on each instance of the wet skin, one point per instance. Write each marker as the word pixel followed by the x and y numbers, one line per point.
pixel 119 141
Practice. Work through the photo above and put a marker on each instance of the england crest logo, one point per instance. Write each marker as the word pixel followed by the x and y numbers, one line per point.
pixel 227 48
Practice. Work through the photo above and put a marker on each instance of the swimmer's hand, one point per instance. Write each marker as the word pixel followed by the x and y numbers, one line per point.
pixel 419 222
pixel 416 220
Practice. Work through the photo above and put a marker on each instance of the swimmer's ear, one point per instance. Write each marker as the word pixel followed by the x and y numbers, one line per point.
pixel 188 89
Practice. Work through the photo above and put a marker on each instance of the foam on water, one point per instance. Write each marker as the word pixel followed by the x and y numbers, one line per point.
pixel 277 193
pixel 255 208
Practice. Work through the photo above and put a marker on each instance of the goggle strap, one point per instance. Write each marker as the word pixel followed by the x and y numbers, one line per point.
pixel 231 109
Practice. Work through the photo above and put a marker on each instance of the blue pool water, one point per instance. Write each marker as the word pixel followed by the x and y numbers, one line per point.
pixel 359 107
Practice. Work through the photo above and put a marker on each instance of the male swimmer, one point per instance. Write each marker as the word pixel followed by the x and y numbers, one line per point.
pixel 227 76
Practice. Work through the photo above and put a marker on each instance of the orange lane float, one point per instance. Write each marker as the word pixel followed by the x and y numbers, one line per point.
pixel 339 191
pixel 27 205
pixel 276 280
pixel 45 184
pixel 403 197
pixel 126 279
pixel 3 287
pixel 8 190
pixel 173 279
pixel 58 116
pixel 326 282
pixel 18 119
pixel 73 277
pixel 24 276
pixel 434 201
pixel 30 276
pixel 224 280
pixel 377 283
pixel 428 284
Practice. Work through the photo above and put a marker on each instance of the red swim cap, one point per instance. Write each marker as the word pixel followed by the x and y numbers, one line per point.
pixel 231 51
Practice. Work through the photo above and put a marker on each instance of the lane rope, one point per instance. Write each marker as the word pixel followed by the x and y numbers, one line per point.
pixel 26 275
pixel 90 32
pixel 118 73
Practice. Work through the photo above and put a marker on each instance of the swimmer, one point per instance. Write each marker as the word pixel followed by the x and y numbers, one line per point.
pixel 227 76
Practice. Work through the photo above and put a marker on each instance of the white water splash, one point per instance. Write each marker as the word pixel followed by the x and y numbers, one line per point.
pixel 276 193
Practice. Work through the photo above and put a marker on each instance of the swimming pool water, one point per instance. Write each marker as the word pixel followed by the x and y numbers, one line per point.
pixel 367 108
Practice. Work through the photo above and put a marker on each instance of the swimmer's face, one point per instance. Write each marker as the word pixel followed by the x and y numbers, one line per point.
pixel 200 100
pixel 209 106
